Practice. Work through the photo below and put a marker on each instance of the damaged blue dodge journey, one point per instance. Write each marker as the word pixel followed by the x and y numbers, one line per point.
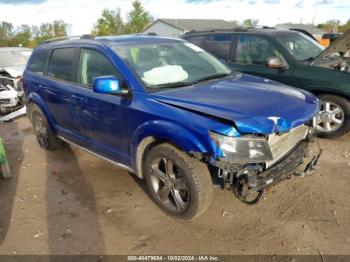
pixel 172 114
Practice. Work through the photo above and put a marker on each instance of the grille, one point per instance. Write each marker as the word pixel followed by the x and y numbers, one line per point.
pixel 280 145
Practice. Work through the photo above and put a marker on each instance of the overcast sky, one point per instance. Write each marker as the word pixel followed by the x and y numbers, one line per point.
pixel 82 14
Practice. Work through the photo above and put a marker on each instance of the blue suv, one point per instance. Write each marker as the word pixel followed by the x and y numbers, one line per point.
pixel 171 114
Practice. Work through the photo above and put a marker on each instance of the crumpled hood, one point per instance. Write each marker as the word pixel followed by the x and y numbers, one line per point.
pixel 341 45
pixel 254 104
pixel 13 71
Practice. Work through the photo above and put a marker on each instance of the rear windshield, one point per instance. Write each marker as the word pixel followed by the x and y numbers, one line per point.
pixel 14 58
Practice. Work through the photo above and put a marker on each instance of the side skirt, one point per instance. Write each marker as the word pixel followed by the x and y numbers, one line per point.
pixel 92 153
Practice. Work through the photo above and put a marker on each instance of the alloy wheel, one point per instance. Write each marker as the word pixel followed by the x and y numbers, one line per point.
pixel 170 185
pixel 330 118
pixel 40 130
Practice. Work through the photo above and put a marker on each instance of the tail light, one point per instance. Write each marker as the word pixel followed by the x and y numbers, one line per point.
pixel 21 79
pixel 20 82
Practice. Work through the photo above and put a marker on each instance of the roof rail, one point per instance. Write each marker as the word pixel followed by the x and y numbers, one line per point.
pixel 268 27
pixel 87 36
pixel 235 29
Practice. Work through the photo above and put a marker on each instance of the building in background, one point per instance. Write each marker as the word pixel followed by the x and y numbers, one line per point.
pixel 176 27
pixel 310 28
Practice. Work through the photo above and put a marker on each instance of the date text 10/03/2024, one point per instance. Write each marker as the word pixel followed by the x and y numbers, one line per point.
pixel 173 258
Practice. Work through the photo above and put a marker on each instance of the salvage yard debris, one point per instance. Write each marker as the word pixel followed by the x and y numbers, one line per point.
pixel 9 117
pixel 12 63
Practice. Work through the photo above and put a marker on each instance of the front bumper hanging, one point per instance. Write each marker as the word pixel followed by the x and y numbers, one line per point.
pixel 253 179
pixel 298 162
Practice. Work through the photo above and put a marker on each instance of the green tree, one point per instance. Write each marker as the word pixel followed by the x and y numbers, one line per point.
pixel 330 26
pixel 6 33
pixel 23 35
pixel 110 23
pixel 30 36
pixel 138 18
pixel 345 27
pixel 59 28
pixel 250 23
pixel 51 30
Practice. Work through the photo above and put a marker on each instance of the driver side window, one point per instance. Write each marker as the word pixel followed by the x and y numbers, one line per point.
pixel 93 64
pixel 254 50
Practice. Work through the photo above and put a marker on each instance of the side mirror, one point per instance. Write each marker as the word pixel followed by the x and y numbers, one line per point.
pixel 276 63
pixel 108 85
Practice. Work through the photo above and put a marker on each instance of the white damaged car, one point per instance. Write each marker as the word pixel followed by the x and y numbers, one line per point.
pixel 12 64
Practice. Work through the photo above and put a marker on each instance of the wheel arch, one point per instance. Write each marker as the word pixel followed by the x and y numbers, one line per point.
pixel 318 92
pixel 153 133
pixel 322 91
pixel 35 99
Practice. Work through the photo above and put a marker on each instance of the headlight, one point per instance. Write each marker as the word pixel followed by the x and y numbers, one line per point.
pixel 243 149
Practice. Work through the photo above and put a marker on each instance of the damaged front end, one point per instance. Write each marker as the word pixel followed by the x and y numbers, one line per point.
pixel 337 55
pixel 11 93
pixel 267 160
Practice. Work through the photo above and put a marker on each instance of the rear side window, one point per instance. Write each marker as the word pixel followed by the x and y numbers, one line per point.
pixel 93 64
pixel 37 64
pixel 218 45
pixel 197 40
pixel 61 64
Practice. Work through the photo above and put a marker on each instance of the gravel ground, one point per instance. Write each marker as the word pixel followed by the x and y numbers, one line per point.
pixel 70 202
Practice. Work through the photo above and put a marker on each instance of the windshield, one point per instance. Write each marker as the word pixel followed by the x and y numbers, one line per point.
pixel 171 64
pixel 302 47
pixel 14 58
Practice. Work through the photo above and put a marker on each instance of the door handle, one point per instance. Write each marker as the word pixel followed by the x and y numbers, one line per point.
pixel 77 98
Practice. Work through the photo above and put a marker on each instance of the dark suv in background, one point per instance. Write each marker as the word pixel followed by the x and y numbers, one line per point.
pixel 292 58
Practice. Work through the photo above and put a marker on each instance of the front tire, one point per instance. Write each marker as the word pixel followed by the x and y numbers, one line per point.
pixel 180 185
pixel 333 119
pixel 43 132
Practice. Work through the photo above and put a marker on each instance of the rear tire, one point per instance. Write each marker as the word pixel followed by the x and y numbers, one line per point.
pixel 334 118
pixel 180 185
pixel 43 132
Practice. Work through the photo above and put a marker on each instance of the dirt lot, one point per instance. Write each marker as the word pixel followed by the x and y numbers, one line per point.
pixel 69 202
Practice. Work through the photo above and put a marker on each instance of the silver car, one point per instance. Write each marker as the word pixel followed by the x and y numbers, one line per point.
pixel 12 64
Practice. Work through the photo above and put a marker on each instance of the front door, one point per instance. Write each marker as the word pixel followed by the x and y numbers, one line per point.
pixel 102 116
pixel 251 53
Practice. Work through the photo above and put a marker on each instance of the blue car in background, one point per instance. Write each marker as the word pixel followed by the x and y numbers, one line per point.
pixel 172 114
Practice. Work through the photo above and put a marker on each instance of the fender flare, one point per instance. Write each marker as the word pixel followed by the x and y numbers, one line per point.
pixel 319 91
pixel 155 130
pixel 34 98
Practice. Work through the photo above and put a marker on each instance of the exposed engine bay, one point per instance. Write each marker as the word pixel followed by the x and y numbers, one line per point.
pixel 336 62
pixel 11 93
pixel 337 55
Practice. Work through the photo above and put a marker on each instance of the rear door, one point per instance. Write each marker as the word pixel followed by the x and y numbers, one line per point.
pixel 57 90
pixel 251 53
pixel 219 45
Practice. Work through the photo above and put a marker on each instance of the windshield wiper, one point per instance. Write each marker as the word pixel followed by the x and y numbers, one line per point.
pixel 309 59
pixel 170 85
pixel 211 77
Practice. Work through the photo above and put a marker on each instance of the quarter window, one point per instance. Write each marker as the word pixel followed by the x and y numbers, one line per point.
pixel 254 50
pixel 218 45
pixel 93 64
pixel 38 62
pixel 61 64
pixel 197 40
